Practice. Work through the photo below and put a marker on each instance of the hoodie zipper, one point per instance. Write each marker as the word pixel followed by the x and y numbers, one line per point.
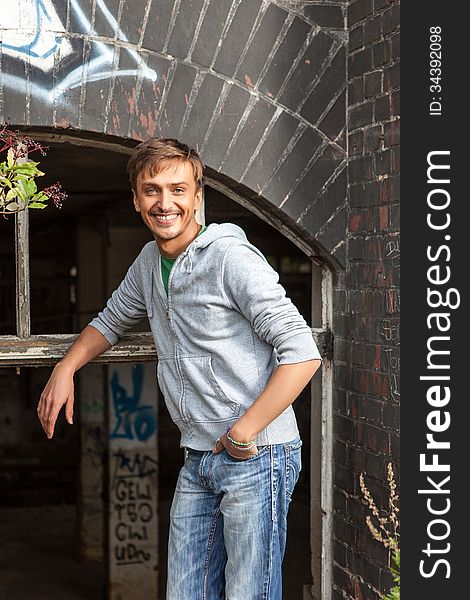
pixel 167 306
pixel 179 258
pixel 177 359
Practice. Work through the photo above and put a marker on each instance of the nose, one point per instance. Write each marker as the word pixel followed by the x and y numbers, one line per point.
pixel 165 201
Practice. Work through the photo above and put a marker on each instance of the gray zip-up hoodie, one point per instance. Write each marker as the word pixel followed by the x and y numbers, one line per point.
pixel 219 334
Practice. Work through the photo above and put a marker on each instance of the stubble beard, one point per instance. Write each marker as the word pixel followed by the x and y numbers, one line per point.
pixel 170 233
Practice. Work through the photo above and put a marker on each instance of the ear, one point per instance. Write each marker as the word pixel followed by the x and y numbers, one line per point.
pixel 136 202
pixel 198 199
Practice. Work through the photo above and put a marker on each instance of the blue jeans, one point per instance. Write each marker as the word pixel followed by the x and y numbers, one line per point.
pixel 228 524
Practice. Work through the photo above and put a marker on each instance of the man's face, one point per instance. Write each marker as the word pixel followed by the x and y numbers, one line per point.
pixel 167 201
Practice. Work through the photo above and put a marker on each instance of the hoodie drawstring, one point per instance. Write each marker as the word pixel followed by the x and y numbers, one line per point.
pixel 189 258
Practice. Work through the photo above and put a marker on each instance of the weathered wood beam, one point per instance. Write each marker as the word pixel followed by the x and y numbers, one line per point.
pixel 23 302
pixel 41 350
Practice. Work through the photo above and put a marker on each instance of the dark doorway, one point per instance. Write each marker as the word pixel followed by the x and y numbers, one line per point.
pixel 40 477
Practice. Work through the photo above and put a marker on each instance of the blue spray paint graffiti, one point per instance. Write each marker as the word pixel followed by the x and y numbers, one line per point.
pixel 32 31
pixel 41 13
pixel 132 421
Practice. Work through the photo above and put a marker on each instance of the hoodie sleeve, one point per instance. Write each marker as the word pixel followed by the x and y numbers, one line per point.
pixel 124 309
pixel 252 287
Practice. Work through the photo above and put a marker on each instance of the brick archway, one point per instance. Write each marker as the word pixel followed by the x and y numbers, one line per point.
pixel 258 87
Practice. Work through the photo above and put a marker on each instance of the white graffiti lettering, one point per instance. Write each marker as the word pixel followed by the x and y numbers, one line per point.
pixel 33 32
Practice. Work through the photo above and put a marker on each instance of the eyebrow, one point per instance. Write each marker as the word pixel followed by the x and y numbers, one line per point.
pixel 170 184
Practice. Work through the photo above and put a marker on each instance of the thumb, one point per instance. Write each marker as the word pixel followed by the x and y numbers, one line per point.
pixel 218 447
pixel 69 409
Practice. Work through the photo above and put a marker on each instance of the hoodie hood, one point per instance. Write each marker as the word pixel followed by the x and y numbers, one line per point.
pixel 214 231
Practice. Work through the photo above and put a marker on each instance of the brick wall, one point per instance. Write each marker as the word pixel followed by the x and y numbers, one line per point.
pixel 367 300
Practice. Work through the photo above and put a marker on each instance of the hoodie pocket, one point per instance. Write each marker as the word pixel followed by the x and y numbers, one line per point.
pixel 171 386
pixel 204 398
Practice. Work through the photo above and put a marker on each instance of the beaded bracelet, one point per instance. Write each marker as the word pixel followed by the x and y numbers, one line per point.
pixel 243 448
pixel 240 445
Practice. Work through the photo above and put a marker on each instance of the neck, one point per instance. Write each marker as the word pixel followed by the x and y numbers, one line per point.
pixel 172 248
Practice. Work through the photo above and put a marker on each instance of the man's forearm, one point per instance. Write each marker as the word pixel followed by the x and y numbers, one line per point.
pixel 283 387
pixel 89 344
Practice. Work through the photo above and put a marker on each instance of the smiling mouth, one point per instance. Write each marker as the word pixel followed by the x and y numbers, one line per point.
pixel 165 219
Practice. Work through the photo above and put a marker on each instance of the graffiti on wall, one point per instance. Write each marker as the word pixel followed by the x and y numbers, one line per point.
pixel 133 420
pixel 391 331
pixel 133 494
pixel 33 32
pixel 32 29
pixel 133 480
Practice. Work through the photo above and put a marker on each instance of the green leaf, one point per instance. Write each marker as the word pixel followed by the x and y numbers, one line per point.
pixel 40 197
pixel 13 206
pixel 30 186
pixel 36 205
pixel 20 177
pixel 28 164
pixel 396 557
pixel 11 194
pixel 5 182
pixel 21 192
pixel 26 169
pixel 10 158
pixel 395 593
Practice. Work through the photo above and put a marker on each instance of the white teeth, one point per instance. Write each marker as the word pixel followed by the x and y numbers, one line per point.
pixel 166 217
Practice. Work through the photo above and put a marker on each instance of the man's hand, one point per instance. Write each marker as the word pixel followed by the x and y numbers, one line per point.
pixel 58 391
pixel 234 451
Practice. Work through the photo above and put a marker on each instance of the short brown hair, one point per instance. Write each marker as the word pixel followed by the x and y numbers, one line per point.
pixel 149 156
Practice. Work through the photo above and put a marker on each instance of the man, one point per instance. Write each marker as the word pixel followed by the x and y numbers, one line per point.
pixel 233 354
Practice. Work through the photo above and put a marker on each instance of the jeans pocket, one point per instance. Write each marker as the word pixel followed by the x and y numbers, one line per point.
pixel 262 450
pixel 293 453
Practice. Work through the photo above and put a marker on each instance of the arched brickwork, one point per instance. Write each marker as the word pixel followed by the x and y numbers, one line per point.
pixel 257 86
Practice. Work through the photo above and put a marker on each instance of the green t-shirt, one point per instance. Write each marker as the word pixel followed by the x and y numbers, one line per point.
pixel 167 264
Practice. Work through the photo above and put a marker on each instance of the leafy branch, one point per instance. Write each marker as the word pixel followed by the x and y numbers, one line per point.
pixel 18 188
